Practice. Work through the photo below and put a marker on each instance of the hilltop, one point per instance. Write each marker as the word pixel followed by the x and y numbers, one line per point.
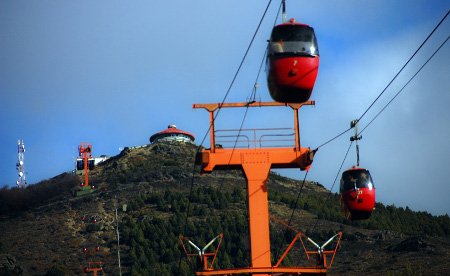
pixel 45 228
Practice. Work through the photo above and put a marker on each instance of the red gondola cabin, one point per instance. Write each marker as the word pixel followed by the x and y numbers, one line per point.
pixel 293 62
pixel 357 193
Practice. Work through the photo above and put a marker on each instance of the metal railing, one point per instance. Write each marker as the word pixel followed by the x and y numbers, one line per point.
pixel 255 138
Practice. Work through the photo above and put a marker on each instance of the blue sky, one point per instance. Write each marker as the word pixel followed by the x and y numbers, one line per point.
pixel 113 73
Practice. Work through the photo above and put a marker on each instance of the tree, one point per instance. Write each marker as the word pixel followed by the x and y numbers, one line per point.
pixel 56 270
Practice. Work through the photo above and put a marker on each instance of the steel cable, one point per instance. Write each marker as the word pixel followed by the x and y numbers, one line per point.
pixel 392 80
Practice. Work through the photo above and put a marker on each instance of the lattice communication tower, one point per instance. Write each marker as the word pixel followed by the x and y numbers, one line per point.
pixel 20 166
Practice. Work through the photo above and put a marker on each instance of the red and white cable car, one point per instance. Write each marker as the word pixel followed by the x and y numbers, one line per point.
pixel 357 189
pixel 293 62
pixel 357 193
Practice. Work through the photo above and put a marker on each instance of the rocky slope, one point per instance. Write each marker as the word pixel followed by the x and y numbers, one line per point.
pixel 48 237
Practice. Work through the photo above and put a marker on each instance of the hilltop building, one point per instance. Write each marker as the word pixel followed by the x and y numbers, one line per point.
pixel 92 162
pixel 172 134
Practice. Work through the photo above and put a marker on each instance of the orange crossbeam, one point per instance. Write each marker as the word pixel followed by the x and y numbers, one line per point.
pixel 214 106
pixel 94 267
pixel 264 270
pixel 279 158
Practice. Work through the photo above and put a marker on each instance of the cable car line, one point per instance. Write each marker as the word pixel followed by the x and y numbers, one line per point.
pixel 359 212
pixel 334 138
pixel 362 211
pixel 255 86
pixel 229 88
pixel 283 4
pixel 243 58
pixel 418 49
pixel 356 137
pixel 288 226
pixel 376 116
pixel 334 182
pixel 382 92
pixel 236 74
pixel 278 13
pixel 342 164
pixel 252 99
pixel 298 196
pixel 217 113
pixel 282 8
pixel 253 96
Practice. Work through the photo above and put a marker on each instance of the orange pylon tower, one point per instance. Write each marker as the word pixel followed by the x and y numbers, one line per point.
pixel 85 152
pixel 94 267
pixel 92 252
pixel 256 164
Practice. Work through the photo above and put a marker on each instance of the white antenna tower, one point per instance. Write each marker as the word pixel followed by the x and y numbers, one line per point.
pixel 20 166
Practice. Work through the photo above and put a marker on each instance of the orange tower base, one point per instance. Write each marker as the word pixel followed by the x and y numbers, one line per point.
pixel 256 164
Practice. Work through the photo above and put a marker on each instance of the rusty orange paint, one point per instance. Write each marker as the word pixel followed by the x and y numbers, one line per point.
pixel 94 267
pixel 85 151
pixel 256 164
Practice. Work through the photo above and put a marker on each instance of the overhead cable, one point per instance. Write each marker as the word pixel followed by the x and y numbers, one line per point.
pixel 334 138
pixel 334 182
pixel 235 75
pixel 288 226
pixel 418 49
pixel 298 197
pixel 376 116
pixel 217 113
pixel 243 58
pixel 387 86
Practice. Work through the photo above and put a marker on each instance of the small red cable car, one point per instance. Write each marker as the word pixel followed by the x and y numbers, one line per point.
pixel 357 193
pixel 293 62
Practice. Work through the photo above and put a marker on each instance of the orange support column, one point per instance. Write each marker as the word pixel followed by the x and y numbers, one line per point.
pixel 256 167
pixel 86 170
pixel 85 151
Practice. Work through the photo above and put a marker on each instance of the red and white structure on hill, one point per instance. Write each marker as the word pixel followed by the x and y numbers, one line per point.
pixel 172 134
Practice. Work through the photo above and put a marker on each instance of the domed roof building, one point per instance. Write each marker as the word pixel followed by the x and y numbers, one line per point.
pixel 172 134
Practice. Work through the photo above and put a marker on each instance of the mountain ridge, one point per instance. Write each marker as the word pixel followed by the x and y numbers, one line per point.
pixel 165 194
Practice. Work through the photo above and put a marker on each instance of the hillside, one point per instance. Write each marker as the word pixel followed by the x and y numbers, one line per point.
pixel 44 228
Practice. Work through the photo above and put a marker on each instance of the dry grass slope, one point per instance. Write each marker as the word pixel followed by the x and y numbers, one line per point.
pixel 42 232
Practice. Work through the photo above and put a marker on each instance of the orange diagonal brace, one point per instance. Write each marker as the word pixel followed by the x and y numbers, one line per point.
pixel 297 236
